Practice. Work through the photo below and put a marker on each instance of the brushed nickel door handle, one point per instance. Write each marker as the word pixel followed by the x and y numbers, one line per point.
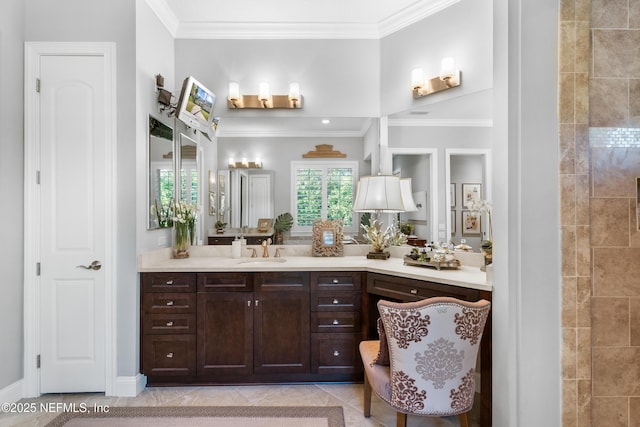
pixel 95 265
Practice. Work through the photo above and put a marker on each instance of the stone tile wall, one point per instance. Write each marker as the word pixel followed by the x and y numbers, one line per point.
pixel 600 44
pixel 574 69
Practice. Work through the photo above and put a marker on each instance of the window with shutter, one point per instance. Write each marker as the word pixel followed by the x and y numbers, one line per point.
pixel 323 190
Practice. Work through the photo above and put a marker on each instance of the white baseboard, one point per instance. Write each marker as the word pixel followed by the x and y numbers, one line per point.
pixel 12 392
pixel 130 386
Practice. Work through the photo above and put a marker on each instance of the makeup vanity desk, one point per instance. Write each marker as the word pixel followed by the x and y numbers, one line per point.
pixel 334 299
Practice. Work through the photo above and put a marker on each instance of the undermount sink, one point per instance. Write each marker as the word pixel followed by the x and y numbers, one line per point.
pixel 261 261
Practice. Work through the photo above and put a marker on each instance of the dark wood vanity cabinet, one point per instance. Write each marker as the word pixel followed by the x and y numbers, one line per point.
pixel 225 325
pixel 252 325
pixel 168 324
pixel 336 325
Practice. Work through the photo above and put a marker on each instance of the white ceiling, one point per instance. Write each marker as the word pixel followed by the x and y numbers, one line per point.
pixel 313 19
pixel 337 19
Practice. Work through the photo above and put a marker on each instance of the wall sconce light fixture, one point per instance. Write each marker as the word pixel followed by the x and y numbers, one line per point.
pixel 244 164
pixel 448 78
pixel 164 97
pixel 264 99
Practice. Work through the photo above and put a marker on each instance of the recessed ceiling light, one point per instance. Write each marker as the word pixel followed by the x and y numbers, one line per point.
pixel 326 121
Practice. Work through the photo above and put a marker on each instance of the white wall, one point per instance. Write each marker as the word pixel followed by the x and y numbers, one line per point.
pixel 463 31
pixel 154 55
pixel 526 252
pixel 338 78
pixel 11 189
pixel 113 21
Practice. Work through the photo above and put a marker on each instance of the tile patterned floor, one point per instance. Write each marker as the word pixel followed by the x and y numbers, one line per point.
pixel 349 396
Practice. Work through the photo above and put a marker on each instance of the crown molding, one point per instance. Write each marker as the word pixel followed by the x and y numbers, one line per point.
pixel 301 30
pixel 276 30
pixel 411 15
pixel 261 133
pixel 441 122
pixel 165 15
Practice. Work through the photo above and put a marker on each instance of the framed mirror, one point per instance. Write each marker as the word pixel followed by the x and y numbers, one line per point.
pixel 188 161
pixel 161 173
pixel 213 194
pixel 468 176
pixel 223 196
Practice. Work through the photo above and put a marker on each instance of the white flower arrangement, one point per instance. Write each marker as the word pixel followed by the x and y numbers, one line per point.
pixel 482 206
pixel 378 239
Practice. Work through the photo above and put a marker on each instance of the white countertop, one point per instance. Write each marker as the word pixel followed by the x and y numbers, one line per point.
pixel 297 258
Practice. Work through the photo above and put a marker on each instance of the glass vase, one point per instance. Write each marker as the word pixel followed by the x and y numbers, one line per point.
pixel 180 240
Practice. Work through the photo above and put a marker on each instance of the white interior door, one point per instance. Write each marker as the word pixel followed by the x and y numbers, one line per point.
pixel 72 160
pixel 260 198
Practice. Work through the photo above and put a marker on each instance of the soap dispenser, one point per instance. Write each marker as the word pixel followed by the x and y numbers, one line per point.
pixel 236 248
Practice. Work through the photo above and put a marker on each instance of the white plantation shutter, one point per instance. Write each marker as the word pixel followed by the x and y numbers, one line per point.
pixel 323 190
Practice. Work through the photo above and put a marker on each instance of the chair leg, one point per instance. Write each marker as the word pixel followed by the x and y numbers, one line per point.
pixel 464 419
pixel 367 397
pixel 401 420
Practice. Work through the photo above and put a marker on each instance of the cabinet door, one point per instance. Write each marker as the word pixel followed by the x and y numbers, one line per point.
pixel 282 332
pixel 169 355
pixel 225 333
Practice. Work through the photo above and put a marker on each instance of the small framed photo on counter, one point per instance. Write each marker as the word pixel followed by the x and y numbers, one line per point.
pixel 327 238
pixel 264 225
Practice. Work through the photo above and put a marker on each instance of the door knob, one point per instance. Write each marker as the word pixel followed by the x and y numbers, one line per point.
pixel 95 265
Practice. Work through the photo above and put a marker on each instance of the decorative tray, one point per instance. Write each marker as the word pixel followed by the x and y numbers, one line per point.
pixel 452 263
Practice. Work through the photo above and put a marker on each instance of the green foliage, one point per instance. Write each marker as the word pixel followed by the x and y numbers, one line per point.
pixel 365 219
pixel 283 222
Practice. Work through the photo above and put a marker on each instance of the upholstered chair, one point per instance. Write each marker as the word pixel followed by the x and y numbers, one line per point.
pixel 424 363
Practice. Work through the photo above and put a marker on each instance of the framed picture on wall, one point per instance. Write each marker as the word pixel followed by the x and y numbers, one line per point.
pixel 453 222
pixel 452 194
pixel 470 192
pixel 470 222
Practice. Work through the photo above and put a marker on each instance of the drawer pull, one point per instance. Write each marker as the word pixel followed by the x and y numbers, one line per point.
pixel 169 282
pixel 249 303
pixel 335 281
pixel 170 323
pixel 336 353
pixel 335 301
pixel 336 322
pixel 170 355
pixel 414 291
pixel 170 303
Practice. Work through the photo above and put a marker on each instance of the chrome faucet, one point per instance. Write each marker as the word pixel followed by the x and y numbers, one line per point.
pixel 265 248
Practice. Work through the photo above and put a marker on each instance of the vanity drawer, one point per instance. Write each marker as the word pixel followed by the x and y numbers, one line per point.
pixel 337 280
pixel 169 323
pixel 335 353
pixel 335 301
pixel 225 282
pixel 335 321
pixel 153 302
pixel 169 355
pixel 168 282
pixel 403 289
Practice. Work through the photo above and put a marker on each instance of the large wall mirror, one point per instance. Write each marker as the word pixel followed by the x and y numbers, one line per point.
pixel 161 173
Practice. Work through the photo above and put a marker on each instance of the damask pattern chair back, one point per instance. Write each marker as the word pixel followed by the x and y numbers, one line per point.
pixel 433 347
